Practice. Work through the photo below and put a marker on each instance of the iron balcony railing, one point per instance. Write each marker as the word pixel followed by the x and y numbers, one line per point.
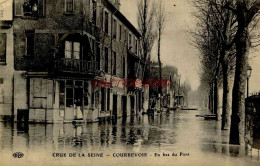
pixel 76 65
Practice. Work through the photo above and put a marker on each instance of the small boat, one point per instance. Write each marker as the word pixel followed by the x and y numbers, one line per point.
pixel 208 117
pixel 189 109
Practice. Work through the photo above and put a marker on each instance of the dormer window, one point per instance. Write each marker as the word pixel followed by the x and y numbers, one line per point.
pixel 31 8
pixel 69 6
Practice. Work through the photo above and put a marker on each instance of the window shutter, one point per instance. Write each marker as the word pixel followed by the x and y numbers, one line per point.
pixel 98 15
pixel 103 19
pixel 41 7
pixel 91 10
pixel 118 30
pixel 2 47
pixel 102 58
pixel 32 82
pixel 109 23
pixel 136 47
pixel 18 7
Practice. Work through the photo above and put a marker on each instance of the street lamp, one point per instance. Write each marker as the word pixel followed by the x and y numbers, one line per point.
pixel 249 72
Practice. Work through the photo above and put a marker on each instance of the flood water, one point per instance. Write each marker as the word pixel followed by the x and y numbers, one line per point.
pixel 177 132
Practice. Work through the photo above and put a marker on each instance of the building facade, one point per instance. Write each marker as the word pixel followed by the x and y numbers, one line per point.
pixel 6 61
pixel 67 57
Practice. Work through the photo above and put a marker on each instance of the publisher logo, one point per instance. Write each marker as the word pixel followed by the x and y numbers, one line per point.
pixel 18 155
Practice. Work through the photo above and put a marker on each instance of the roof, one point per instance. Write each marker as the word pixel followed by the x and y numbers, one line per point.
pixel 121 17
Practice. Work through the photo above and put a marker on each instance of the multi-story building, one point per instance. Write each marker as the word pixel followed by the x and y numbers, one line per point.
pixel 60 48
pixel 6 61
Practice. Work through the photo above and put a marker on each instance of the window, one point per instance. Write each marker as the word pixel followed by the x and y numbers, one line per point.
pixel 125 35
pixel 129 41
pixel 106 59
pixel 1 90
pixel 69 6
pixel 30 44
pixel 123 67
pixel 30 8
pixel 72 50
pixel 98 56
pixel 120 32
pixel 62 94
pixel 136 46
pixel 114 60
pixel 103 99
pixel 114 28
pixel 86 93
pixel 74 93
pixel 94 9
pixel 106 22
pixel 2 48
pixel 92 45
pixel 69 97
pixel 108 99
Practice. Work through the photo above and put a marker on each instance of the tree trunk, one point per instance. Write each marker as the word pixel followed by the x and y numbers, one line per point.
pixel 212 98
pixel 225 70
pixel 237 129
pixel 216 97
pixel 159 61
pixel 225 105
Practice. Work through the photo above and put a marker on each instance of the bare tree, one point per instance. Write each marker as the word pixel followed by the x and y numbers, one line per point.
pixel 246 12
pixel 225 27
pixel 206 40
pixel 160 24
pixel 145 21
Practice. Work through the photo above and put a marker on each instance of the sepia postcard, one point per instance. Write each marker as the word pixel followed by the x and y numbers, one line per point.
pixel 129 82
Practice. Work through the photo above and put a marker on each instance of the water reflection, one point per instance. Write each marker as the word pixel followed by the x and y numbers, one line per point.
pixel 170 131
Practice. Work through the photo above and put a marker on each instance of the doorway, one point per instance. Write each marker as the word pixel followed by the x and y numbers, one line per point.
pixel 78 96
pixel 115 106
pixel 74 100
pixel 132 104
pixel 124 103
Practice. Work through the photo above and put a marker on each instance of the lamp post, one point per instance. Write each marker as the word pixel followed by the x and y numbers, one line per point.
pixel 249 72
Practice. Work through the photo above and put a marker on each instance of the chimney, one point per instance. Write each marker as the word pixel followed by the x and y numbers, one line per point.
pixel 117 4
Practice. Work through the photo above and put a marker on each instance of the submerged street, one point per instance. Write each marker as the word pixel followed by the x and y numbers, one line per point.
pixel 180 132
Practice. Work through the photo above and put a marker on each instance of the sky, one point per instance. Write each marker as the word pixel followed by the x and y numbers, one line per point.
pixel 176 48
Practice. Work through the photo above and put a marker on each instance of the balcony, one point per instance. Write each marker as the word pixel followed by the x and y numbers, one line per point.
pixel 66 65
